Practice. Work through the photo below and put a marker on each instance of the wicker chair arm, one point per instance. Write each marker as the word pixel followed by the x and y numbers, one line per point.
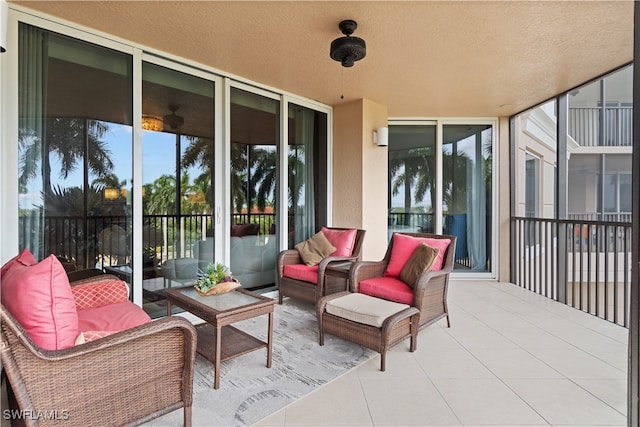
pixel 427 281
pixel 390 321
pixel 124 337
pixel 363 270
pixel 322 266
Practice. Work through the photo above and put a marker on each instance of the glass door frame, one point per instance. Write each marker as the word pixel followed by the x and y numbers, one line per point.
pixel 218 82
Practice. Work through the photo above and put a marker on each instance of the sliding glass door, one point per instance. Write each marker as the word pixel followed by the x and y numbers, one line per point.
pixel 253 195
pixel 75 150
pixel 149 169
pixel 440 181
pixel 307 176
pixel 466 193
pixel 177 179
pixel 412 178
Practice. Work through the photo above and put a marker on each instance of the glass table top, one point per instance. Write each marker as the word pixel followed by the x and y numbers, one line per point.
pixel 227 301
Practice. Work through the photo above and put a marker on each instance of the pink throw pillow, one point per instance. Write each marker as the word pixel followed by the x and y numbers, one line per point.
pixel 23 258
pixel 40 298
pixel 343 240
pixel 403 247
pixel 98 294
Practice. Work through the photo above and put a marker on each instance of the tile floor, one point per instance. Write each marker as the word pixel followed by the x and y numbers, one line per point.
pixel 511 358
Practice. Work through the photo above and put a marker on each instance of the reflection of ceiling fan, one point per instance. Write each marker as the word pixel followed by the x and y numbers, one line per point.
pixel 173 120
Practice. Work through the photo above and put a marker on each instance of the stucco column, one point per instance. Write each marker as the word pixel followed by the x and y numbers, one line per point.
pixel 360 173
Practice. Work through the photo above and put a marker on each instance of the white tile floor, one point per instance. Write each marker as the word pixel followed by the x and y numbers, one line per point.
pixel 511 358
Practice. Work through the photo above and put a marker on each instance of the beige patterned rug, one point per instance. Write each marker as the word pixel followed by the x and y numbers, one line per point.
pixel 249 391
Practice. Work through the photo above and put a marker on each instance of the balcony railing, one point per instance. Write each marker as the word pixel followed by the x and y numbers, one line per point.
pixel 584 126
pixel 100 241
pixel 584 264
pixel 416 222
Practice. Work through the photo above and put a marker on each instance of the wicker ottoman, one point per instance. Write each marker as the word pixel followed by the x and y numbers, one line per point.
pixel 371 322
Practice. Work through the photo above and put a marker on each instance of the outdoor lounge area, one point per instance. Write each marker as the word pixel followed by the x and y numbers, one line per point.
pixel 510 358
pixel 341 213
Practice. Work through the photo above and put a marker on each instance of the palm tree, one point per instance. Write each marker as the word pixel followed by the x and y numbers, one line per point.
pixel 160 196
pixel 263 177
pixel 68 139
pixel 200 153
pixel 417 172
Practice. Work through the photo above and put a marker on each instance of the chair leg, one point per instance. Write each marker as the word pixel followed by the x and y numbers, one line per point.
pixel 187 416
pixel 383 365
pixel 279 298
pixel 415 327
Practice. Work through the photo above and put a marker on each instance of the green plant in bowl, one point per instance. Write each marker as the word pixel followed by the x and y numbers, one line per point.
pixel 212 275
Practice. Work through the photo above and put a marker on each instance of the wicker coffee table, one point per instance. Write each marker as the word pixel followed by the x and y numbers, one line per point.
pixel 217 339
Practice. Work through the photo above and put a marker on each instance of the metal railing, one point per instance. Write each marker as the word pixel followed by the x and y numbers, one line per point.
pixel 101 241
pixel 417 222
pixel 604 217
pixel 584 126
pixel 584 264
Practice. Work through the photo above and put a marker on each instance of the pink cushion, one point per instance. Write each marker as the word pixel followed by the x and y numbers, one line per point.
pixel 403 247
pixel 89 336
pixel 343 240
pixel 97 294
pixel 301 272
pixel 40 298
pixel 23 258
pixel 112 317
pixel 388 288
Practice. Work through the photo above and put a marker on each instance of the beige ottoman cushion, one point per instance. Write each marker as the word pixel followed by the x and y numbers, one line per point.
pixel 363 308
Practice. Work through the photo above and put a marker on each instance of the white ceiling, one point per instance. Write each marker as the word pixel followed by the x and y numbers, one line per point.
pixel 424 58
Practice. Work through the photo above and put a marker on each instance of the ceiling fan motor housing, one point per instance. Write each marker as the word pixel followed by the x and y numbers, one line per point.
pixel 348 49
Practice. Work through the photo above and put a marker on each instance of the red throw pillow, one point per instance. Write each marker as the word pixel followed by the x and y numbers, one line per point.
pixel 40 298
pixel 23 258
pixel 343 240
pixel 403 247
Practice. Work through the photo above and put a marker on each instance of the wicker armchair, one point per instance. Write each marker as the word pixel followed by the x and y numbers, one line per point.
pixel 308 291
pixel 126 378
pixel 430 290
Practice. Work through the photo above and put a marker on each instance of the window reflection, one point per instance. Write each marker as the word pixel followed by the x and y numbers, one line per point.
pixel 75 150
pixel 177 175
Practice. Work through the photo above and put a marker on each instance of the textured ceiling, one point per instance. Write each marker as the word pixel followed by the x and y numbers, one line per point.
pixel 424 59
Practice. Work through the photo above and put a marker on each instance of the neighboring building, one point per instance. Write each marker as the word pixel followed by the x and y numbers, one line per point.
pixel 599 149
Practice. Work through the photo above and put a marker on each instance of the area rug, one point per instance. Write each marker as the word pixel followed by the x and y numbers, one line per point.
pixel 249 391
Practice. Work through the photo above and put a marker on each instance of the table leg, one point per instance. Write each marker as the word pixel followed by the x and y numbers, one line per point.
pixel 168 307
pixel 269 340
pixel 216 382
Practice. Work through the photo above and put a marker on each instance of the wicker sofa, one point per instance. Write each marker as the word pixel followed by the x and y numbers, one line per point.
pixel 104 377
